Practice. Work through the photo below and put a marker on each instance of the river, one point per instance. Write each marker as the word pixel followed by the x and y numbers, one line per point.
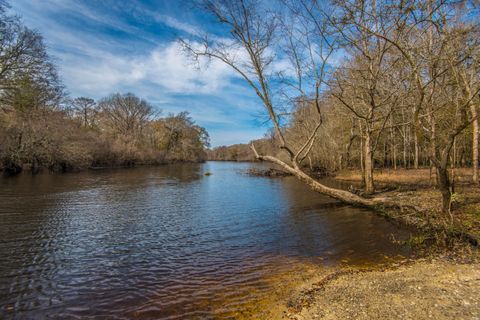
pixel 169 242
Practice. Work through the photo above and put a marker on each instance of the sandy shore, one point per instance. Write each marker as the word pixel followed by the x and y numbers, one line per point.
pixel 434 289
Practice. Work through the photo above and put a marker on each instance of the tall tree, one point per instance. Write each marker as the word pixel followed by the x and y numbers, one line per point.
pixel 22 53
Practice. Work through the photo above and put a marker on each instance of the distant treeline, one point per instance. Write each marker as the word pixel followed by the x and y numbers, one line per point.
pixel 242 151
pixel 236 152
pixel 42 127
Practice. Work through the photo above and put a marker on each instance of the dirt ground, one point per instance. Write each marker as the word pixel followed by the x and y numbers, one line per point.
pixel 436 289
pixel 418 177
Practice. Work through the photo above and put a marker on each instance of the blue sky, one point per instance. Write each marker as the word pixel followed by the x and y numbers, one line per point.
pixel 107 46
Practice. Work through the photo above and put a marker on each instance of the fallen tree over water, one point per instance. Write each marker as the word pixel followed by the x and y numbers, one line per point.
pixel 339 194
pixel 377 83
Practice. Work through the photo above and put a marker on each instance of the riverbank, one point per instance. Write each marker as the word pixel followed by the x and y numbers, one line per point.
pixel 436 288
pixel 443 286
pixel 415 189
pixel 27 168
pixel 418 202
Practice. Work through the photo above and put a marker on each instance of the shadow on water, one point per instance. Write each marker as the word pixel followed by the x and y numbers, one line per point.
pixel 170 242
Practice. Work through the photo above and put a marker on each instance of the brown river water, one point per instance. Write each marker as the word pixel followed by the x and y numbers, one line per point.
pixel 171 243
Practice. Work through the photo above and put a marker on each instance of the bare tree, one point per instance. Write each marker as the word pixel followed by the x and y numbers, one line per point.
pixel 424 37
pixel 454 101
pixel 28 78
pixel 22 53
pixel 126 114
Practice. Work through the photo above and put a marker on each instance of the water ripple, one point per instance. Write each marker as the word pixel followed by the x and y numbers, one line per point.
pixel 168 242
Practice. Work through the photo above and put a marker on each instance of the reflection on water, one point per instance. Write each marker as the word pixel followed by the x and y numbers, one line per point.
pixel 169 242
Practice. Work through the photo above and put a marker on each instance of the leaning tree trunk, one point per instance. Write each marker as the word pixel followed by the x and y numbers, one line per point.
pixel 338 194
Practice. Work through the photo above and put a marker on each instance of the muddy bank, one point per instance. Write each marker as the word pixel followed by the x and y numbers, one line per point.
pixel 434 289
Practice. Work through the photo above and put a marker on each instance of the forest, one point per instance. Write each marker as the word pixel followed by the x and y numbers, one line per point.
pixel 369 85
pixel 41 126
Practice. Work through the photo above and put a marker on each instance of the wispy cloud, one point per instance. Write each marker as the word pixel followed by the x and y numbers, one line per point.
pixel 178 25
pixel 166 66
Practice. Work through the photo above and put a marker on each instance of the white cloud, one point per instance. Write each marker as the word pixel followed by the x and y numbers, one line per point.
pixel 167 66
pixel 283 66
pixel 175 24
